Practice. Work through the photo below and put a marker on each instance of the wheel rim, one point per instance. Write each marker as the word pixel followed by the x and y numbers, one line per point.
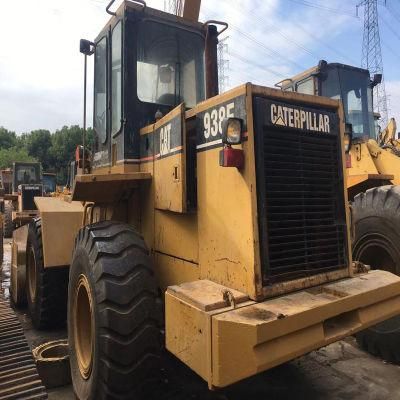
pixel 83 326
pixel 31 270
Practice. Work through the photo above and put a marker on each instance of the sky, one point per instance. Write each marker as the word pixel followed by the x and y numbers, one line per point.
pixel 41 69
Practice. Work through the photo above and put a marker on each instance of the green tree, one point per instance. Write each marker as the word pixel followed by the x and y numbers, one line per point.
pixel 38 144
pixel 7 138
pixel 8 156
pixel 64 142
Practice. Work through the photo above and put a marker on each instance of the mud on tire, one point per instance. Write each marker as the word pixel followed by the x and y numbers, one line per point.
pixel 377 237
pixel 114 315
pixel 46 289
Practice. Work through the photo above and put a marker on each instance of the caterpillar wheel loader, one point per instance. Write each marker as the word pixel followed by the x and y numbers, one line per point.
pixel 215 226
pixel 373 179
pixel 6 184
pixel 26 183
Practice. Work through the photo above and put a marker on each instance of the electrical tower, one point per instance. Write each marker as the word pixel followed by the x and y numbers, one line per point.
pixel 223 65
pixel 372 56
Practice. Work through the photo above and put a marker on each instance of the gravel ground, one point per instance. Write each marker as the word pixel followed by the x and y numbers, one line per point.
pixel 340 371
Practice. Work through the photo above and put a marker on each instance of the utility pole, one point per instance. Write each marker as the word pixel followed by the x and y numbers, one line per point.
pixel 372 56
pixel 223 65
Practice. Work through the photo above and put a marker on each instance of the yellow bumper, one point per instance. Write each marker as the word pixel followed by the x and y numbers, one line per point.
pixel 224 337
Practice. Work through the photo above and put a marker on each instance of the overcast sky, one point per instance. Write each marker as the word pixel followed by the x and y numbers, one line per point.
pixel 41 69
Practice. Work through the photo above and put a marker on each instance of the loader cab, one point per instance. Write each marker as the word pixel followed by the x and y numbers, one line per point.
pixel 26 174
pixel 146 62
pixel 351 85
pixel 49 183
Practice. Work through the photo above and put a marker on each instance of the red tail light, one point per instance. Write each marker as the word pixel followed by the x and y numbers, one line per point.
pixel 229 157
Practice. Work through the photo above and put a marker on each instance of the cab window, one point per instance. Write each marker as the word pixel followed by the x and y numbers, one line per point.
pixel 306 86
pixel 170 66
pixel 100 90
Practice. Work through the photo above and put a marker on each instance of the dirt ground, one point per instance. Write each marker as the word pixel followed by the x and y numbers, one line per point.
pixel 340 371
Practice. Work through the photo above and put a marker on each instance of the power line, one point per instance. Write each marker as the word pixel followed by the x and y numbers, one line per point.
pixel 325 8
pixel 391 50
pixel 394 13
pixel 390 27
pixel 308 33
pixel 279 32
pixel 254 64
pixel 268 50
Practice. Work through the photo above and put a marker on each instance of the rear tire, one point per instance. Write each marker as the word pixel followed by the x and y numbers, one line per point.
pixel 46 288
pixel 377 238
pixel 8 223
pixel 114 315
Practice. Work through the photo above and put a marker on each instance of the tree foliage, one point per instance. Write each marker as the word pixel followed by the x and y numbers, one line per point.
pixel 54 151
pixel 8 156
pixel 8 139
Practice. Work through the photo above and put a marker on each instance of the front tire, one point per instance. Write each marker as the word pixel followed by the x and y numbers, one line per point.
pixel 114 315
pixel 46 288
pixel 377 238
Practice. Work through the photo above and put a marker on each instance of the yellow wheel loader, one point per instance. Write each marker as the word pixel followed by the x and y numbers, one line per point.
pixel 6 184
pixel 26 183
pixel 215 226
pixel 373 176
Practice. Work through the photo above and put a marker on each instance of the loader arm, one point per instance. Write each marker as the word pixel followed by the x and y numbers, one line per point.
pixel 388 135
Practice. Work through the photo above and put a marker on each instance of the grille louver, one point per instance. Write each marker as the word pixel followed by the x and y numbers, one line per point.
pixel 303 218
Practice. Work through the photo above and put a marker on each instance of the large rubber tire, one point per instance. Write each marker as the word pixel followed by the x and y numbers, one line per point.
pixel 376 216
pixel 46 288
pixel 114 315
pixel 8 223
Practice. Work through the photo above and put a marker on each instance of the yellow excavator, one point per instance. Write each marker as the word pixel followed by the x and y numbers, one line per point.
pixel 373 179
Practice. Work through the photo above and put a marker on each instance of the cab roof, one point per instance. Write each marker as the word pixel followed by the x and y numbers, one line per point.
pixel 318 68
pixel 128 5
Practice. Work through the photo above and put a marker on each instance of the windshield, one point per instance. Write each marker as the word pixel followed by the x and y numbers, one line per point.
pixel 49 183
pixel 26 174
pixel 353 88
pixel 170 66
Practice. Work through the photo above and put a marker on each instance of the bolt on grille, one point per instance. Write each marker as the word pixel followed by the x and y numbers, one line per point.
pixel 303 218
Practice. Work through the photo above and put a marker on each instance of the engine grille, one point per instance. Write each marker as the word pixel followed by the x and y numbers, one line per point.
pixel 302 205
pixel 28 195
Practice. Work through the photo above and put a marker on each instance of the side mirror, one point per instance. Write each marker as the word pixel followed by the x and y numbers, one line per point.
pixel 86 47
pixel 376 81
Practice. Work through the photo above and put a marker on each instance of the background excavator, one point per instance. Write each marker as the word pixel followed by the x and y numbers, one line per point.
pixel 373 179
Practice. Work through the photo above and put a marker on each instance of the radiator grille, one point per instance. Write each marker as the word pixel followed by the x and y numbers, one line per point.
pixel 28 195
pixel 304 215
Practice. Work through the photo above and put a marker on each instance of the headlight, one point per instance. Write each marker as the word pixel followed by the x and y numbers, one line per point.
pixel 347 137
pixel 347 142
pixel 232 131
